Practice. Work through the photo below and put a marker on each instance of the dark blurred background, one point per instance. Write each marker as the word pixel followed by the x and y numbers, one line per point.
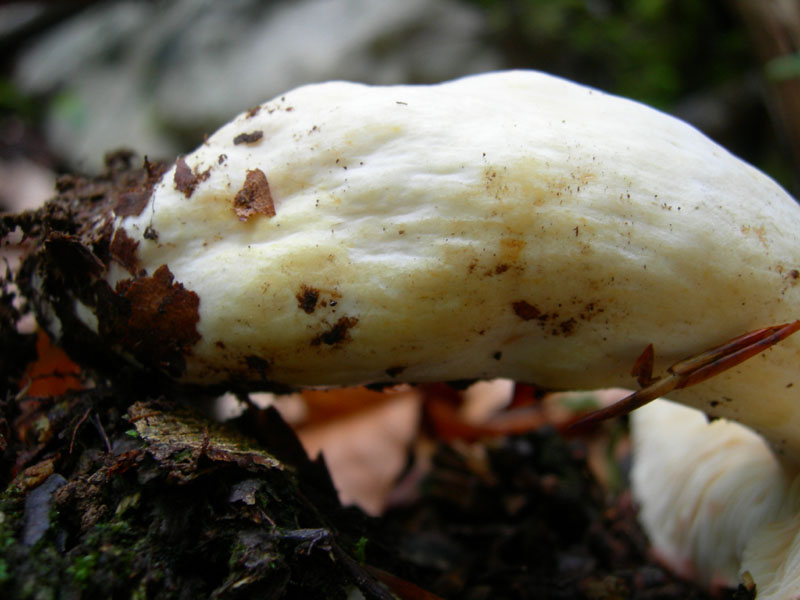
pixel 78 79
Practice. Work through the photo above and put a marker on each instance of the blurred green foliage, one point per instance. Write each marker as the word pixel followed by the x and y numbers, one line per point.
pixel 652 50
pixel 13 101
pixel 784 67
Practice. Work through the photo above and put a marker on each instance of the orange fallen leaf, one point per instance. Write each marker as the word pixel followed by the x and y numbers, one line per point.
pixel 53 373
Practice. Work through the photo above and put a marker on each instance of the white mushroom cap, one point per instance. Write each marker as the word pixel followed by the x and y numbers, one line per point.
pixel 503 225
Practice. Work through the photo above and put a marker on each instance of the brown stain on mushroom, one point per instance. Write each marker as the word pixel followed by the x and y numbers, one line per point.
pixel 525 311
pixel 258 364
pixel 395 371
pixel 307 298
pixel 337 334
pixel 760 232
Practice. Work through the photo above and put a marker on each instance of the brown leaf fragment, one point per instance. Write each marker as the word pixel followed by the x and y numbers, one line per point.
pixel 185 180
pixel 254 198
pixel 123 250
pixel 248 138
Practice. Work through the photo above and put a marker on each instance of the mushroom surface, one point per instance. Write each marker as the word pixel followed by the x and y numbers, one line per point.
pixel 508 225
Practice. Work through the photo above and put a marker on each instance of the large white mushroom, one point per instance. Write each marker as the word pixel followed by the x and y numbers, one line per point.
pixel 503 225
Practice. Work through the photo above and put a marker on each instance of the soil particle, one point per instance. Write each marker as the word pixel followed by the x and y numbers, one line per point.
pixel 337 334
pixel 254 198
pixel 154 318
pixel 248 138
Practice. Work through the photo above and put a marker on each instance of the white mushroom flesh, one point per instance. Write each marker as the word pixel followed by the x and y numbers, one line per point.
pixel 503 225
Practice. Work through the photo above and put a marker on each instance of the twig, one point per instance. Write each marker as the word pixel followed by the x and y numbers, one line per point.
pixel 77 426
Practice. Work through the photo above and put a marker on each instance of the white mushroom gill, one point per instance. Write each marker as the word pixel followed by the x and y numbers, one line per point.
pixel 502 225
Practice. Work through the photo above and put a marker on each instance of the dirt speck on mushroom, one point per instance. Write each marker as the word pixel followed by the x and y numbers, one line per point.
pixel 255 197
pixel 307 298
pixel 248 138
pixel 337 334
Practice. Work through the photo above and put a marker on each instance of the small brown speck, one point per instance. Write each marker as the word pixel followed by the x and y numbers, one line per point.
pixel 501 268
pixel 525 310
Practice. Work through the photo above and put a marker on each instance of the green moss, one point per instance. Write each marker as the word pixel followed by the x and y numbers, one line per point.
pixel 361 550
pixel 83 568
